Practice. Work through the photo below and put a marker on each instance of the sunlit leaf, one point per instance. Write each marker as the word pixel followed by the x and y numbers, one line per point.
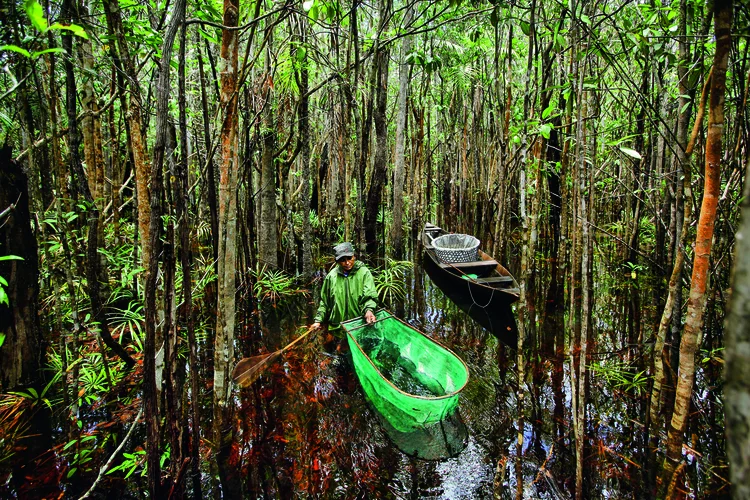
pixel 36 14
pixel 631 152
pixel 2 339
pixel 545 130
pixel 16 48
pixel 74 28
pixel 308 5
pixel 55 50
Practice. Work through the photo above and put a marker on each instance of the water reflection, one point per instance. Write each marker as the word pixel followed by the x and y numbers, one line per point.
pixel 439 441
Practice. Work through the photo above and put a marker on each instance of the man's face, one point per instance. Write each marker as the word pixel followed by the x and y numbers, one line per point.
pixel 346 263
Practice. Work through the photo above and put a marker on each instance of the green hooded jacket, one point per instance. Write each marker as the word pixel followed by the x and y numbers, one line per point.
pixel 346 297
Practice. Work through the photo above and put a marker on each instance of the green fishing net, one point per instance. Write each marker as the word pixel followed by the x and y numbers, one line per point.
pixel 410 379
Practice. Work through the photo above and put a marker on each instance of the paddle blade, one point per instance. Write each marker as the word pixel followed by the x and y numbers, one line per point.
pixel 248 370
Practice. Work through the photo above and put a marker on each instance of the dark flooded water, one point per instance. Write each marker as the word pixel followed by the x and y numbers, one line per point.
pixel 307 429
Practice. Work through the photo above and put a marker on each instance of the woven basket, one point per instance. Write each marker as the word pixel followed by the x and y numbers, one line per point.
pixel 456 248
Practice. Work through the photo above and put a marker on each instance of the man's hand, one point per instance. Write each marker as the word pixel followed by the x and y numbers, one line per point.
pixel 315 326
pixel 369 317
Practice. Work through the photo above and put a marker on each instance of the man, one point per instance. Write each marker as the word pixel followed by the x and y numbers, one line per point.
pixel 348 291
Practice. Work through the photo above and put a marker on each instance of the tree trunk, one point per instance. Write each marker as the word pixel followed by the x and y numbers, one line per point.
pixel 268 233
pixel 121 53
pixel 229 168
pixel 705 232
pixel 210 169
pixel 304 138
pixel 152 387
pixel 21 353
pixel 683 209
pixel 377 180
pixel 400 160
pixel 182 204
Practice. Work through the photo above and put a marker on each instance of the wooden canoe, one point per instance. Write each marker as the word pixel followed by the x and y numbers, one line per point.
pixel 484 288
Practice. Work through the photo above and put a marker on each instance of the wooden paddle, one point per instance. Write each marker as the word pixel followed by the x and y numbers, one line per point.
pixel 249 369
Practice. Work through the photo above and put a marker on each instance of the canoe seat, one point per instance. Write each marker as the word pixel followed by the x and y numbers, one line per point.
pixel 476 267
pixel 497 280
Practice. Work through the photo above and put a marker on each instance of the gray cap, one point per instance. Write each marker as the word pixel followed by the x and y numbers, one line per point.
pixel 344 249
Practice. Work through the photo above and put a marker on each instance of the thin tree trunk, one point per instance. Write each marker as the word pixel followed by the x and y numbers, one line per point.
pixel 675 282
pixel 377 180
pixel 210 169
pixel 182 204
pixel 268 241
pixel 152 387
pixel 95 273
pixel 134 112
pixel 225 321
pixel 304 137
pixel 400 160
pixel 703 241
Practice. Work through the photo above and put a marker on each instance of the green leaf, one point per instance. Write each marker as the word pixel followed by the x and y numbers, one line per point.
pixel 55 50
pixel 525 27
pixel 74 28
pixel 10 257
pixel 631 152
pixel 301 53
pixel 36 14
pixel 6 121
pixel 545 130
pixel 16 48
pixel 2 339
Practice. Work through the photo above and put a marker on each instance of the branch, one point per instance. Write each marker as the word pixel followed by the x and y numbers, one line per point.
pixel 106 466
pixel 701 112
pixel 235 28
pixel 10 208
